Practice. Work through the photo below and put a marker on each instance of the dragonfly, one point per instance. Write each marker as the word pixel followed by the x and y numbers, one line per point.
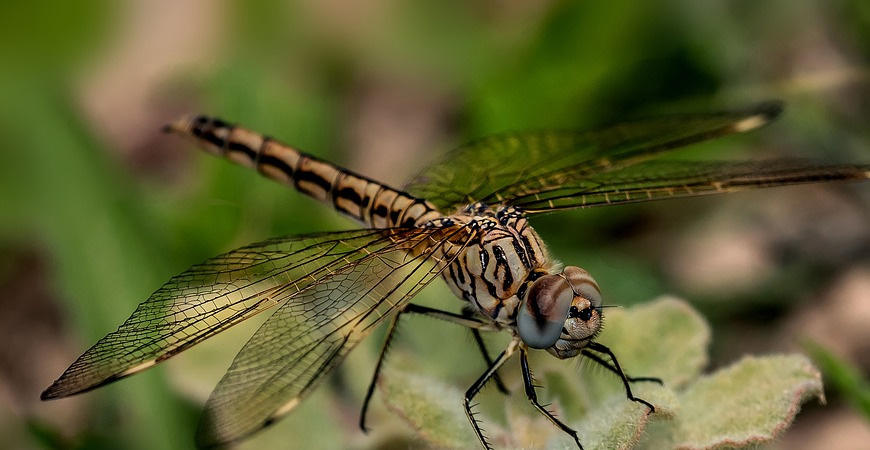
pixel 464 219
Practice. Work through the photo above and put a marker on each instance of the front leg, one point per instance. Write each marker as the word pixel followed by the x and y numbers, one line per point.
pixel 615 368
pixel 533 397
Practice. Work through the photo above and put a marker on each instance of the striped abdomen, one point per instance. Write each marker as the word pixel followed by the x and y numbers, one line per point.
pixel 372 203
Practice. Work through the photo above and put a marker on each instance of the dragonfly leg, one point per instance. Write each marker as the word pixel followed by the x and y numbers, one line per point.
pixel 528 382
pixel 371 389
pixel 478 385
pixel 465 321
pixel 618 371
pixel 468 322
pixel 488 359
pixel 485 353
pixel 607 365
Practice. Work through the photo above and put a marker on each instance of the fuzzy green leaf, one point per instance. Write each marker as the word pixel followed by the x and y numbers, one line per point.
pixel 748 403
pixel 619 423
pixel 432 408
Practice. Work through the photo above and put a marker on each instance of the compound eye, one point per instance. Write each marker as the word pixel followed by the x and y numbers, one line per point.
pixel 542 315
pixel 584 285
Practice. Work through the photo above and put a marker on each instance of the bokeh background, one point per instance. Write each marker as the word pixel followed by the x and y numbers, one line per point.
pixel 99 208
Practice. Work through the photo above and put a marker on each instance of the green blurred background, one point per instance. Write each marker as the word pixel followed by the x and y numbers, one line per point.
pixel 98 208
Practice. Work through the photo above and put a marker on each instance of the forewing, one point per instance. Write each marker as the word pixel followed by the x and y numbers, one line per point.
pixel 496 169
pixel 309 335
pixel 654 180
pixel 215 295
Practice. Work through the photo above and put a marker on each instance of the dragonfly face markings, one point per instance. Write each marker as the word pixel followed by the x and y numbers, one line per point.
pixel 330 290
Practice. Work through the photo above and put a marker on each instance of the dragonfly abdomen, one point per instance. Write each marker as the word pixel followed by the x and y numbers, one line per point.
pixel 370 202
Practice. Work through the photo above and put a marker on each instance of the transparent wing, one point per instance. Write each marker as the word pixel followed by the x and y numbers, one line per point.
pixel 654 180
pixel 219 293
pixel 494 170
pixel 308 336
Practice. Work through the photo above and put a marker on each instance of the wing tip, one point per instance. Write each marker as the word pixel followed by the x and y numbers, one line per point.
pixel 209 434
pixel 771 109
pixel 63 387
pixel 72 382
pixel 215 431
pixel 758 116
pixel 51 393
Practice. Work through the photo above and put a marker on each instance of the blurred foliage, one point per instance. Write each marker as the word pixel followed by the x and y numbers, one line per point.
pixel 843 377
pixel 110 229
pixel 52 36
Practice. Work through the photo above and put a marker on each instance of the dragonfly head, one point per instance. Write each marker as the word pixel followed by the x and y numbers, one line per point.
pixel 561 312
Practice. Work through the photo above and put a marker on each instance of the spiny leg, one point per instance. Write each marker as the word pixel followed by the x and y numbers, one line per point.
pixel 478 385
pixel 610 367
pixel 615 368
pixel 468 322
pixel 533 397
pixel 371 389
pixel 480 345
pixel 485 353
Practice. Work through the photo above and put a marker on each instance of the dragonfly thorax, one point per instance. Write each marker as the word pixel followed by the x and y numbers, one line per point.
pixel 508 278
pixel 490 271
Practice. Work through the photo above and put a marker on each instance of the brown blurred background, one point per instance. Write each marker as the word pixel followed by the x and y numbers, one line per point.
pixel 98 208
